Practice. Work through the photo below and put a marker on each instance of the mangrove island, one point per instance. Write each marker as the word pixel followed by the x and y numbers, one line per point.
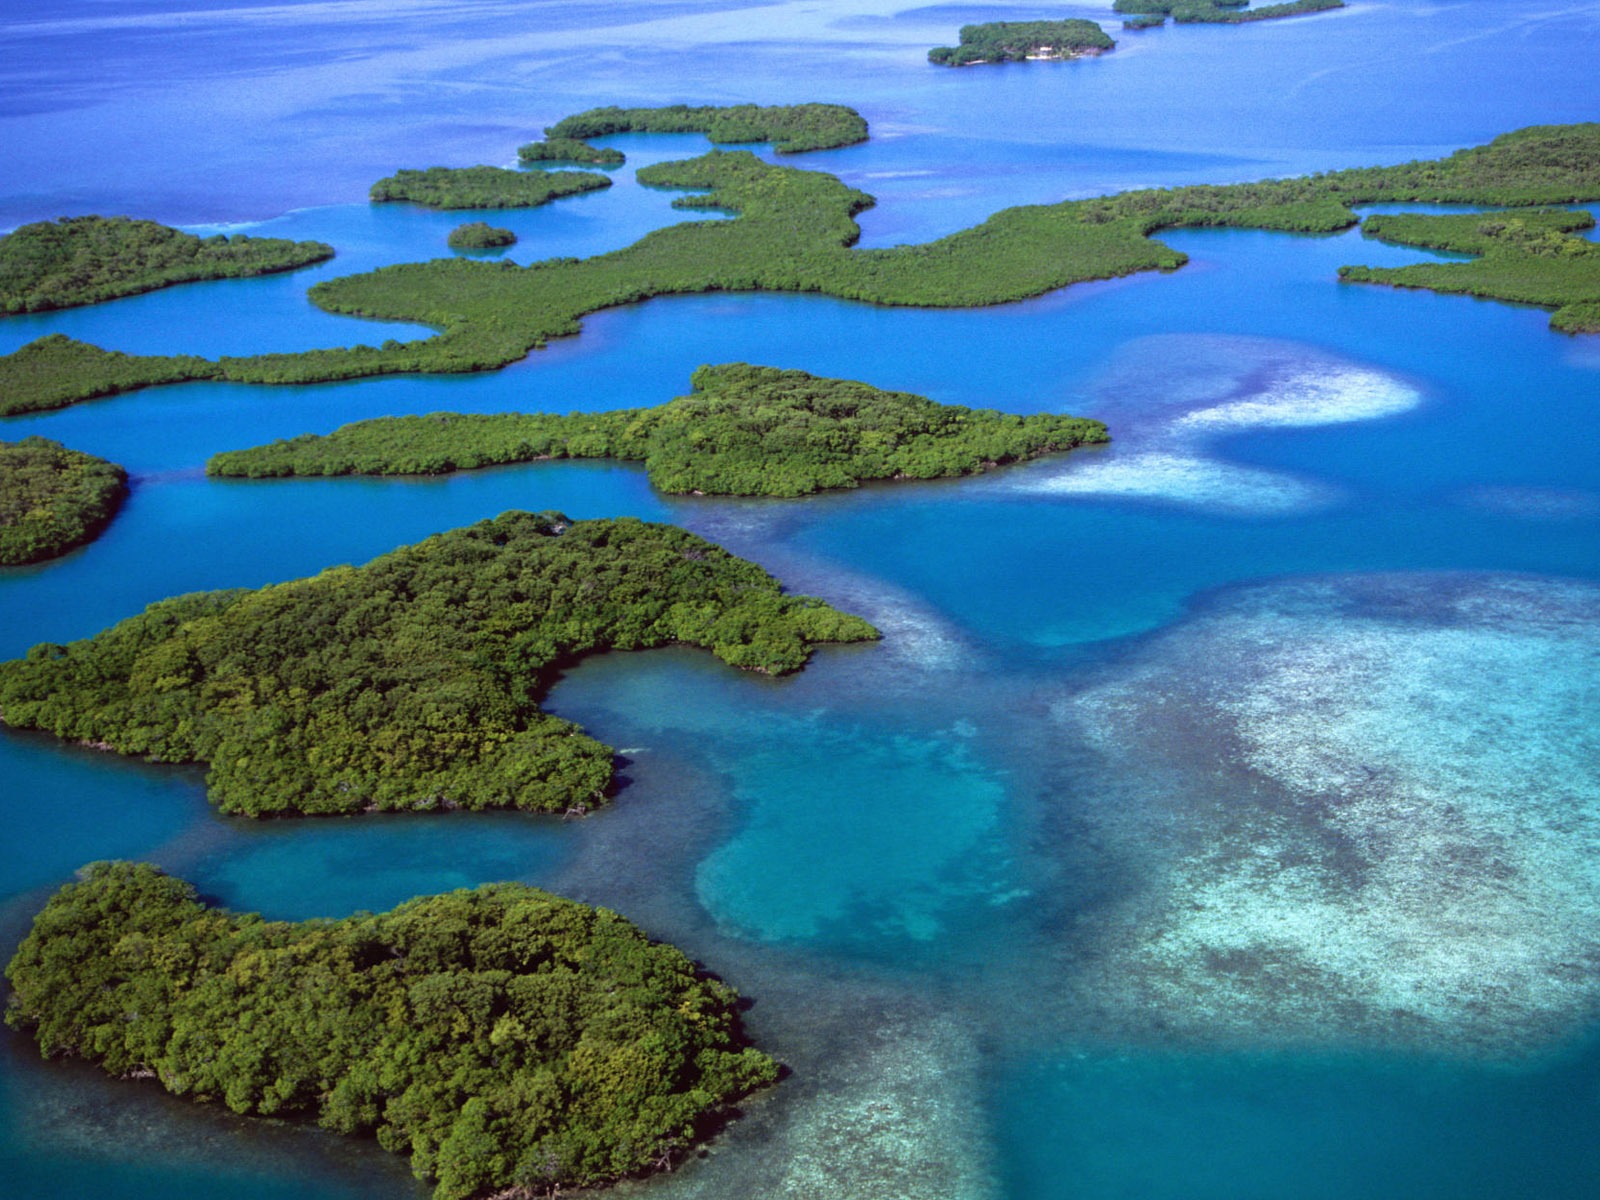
pixel 795 232
pixel 480 235
pixel 1149 13
pixel 412 682
pixel 483 187
pixel 53 499
pixel 743 431
pixel 509 1041
pixel 85 260
pixel 1017 41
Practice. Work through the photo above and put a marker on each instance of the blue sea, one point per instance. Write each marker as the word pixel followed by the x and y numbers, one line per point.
pixel 1219 818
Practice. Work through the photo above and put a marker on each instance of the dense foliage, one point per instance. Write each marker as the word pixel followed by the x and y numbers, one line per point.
pixel 795 233
pixel 1526 257
pixel 83 260
pixel 1215 12
pixel 791 128
pixel 570 150
pixel 412 682
pixel 55 370
pixel 484 187
pixel 502 1037
pixel 480 235
pixel 52 499
pixel 1014 41
pixel 744 431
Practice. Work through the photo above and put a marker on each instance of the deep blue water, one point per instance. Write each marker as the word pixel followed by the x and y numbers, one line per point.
pixel 967 875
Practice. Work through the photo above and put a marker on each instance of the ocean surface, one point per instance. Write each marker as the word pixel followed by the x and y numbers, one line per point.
pixel 1219 818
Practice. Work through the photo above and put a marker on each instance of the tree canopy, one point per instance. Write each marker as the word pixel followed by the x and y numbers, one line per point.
pixel 484 187
pixel 1529 257
pixel 1215 12
pixel 791 128
pixel 53 498
pixel 480 235
pixel 796 232
pixel 742 431
pixel 412 682
pixel 1014 41
pixel 84 260
pixel 502 1037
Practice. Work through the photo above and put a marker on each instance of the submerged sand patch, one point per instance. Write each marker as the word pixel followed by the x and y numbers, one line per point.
pixel 1378 814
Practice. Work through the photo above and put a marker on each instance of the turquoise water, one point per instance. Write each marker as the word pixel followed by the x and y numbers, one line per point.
pixel 1216 818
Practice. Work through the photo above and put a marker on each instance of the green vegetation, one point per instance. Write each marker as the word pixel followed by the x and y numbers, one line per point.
pixel 791 128
pixel 480 235
pixel 55 371
pixel 412 682
pixel 1014 41
pixel 484 187
pixel 1214 12
pixel 570 150
pixel 511 1042
pixel 795 232
pixel 84 260
pixel 52 499
pixel 1527 258
pixel 744 431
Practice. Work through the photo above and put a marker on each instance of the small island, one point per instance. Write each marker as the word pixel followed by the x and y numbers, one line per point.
pixel 1526 257
pixel 743 431
pixel 1150 13
pixel 86 260
pixel 511 1042
pixel 53 499
pixel 480 235
pixel 569 150
pixel 483 187
pixel 1018 41
pixel 413 682
pixel 790 128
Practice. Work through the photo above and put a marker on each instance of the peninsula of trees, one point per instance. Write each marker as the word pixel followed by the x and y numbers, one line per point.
pixel 484 187
pixel 1528 257
pixel 742 431
pixel 1015 41
pixel 53 498
pixel 1214 12
pixel 412 682
pixel 84 260
pixel 795 232
pixel 480 235
pixel 510 1041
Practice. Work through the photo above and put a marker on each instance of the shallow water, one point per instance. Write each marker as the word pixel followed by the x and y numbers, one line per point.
pixel 1216 818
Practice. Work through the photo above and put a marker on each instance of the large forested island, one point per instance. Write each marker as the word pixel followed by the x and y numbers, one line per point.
pixel 743 431
pixel 511 1042
pixel 84 260
pixel 484 187
pixel 412 682
pixel 1016 41
pixel 53 498
pixel 795 233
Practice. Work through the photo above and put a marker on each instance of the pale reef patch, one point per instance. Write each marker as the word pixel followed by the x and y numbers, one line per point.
pixel 1167 398
pixel 1380 819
